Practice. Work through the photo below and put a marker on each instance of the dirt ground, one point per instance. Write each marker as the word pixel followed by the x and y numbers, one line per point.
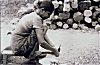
pixel 77 48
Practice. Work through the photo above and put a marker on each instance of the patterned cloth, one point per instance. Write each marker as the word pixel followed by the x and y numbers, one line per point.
pixel 26 44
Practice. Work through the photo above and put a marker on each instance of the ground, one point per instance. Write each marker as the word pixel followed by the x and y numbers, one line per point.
pixel 77 47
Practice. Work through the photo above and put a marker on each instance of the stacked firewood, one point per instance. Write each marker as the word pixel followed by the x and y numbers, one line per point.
pixel 76 14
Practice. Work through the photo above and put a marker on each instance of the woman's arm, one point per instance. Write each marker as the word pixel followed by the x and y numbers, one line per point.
pixel 46 37
pixel 44 44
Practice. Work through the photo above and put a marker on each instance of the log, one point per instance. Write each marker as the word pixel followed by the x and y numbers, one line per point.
pixel 87 13
pixel 94 23
pixel 65 26
pixel 55 3
pixel 59 23
pixel 88 20
pixel 66 7
pixel 53 26
pixel 75 26
pixel 78 16
pixel 74 4
pixel 97 27
pixel 70 21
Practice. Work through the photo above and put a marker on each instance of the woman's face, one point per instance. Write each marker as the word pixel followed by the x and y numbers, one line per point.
pixel 46 14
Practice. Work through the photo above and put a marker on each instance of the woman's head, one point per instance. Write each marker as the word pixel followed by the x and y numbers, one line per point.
pixel 45 9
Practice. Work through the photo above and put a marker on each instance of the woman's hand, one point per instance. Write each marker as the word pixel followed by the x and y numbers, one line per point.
pixel 55 52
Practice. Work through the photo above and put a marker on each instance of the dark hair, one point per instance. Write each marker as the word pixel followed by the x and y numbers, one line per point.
pixel 47 5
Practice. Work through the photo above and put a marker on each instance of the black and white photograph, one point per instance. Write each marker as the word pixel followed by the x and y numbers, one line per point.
pixel 49 32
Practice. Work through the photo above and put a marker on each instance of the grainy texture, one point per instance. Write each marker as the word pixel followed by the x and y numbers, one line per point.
pixel 77 47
